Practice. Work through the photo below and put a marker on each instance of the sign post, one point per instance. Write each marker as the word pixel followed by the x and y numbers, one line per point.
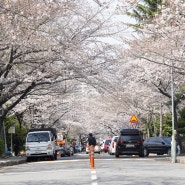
pixel 11 131
pixel 133 121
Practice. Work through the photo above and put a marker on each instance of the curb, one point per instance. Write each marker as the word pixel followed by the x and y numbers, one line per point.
pixel 12 162
pixel 178 159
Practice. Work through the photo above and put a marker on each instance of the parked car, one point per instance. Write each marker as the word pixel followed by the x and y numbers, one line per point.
pixel 78 149
pixel 61 152
pixel 97 149
pixel 112 146
pixel 107 144
pixel 157 145
pixel 130 142
pixel 102 145
pixel 87 149
pixel 69 149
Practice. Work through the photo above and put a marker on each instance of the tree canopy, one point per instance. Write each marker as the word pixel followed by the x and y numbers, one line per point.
pixel 78 66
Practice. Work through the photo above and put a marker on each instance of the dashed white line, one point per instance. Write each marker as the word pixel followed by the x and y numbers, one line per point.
pixel 93 178
pixel 94 183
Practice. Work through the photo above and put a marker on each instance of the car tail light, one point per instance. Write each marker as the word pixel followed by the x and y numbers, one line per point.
pixel 120 142
pixel 113 145
pixel 139 142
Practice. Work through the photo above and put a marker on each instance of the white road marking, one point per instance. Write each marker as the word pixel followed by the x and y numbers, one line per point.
pixel 93 178
pixel 46 171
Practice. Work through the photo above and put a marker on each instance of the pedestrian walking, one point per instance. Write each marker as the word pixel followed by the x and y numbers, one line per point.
pixel 92 144
pixel 16 144
pixel 177 140
pixel 73 145
pixel 91 140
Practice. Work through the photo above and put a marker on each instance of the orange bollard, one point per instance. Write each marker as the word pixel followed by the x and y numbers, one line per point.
pixel 89 154
pixel 92 156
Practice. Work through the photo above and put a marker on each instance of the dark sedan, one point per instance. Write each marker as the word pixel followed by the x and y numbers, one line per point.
pixel 157 145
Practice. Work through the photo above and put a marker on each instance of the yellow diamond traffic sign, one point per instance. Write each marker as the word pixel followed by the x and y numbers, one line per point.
pixel 133 119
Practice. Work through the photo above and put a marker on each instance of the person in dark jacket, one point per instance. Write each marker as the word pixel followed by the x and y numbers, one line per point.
pixel 91 140
pixel 177 142
pixel 92 143
pixel 16 144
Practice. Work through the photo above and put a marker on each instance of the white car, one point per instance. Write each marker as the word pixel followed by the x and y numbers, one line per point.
pixel 112 147
pixel 97 149
pixel 102 145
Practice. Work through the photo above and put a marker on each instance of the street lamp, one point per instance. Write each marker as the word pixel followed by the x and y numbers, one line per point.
pixel 173 144
pixel 1 115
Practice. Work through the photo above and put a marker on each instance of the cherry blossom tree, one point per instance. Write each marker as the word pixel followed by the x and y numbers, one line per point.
pixel 48 50
pixel 161 45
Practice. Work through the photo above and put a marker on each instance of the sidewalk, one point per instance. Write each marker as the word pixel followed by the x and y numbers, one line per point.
pixel 179 159
pixel 10 161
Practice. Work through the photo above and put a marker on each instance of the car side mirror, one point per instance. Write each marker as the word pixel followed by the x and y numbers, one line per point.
pixel 115 140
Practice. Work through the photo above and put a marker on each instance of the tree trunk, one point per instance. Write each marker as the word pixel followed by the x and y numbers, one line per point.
pixel 161 121
pixel 1 128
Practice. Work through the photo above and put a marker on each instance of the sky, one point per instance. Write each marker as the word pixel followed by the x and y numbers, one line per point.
pixel 115 9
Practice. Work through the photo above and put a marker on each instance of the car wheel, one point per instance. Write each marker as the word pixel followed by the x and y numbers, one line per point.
pixel 169 152
pixel 159 153
pixel 55 156
pixel 28 159
pixel 145 152
pixel 141 154
pixel 116 155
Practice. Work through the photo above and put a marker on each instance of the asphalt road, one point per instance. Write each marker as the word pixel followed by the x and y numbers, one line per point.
pixel 108 171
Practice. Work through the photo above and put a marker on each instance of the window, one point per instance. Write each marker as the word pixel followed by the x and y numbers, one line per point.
pixel 152 139
pixel 107 142
pixel 130 137
pixel 38 137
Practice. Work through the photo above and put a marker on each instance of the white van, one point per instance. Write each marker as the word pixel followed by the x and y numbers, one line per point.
pixel 112 147
pixel 41 143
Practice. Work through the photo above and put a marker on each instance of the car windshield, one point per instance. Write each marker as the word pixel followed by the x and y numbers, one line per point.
pixel 107 142
pixel 38 137
pixel 167 140
pixel 130 137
